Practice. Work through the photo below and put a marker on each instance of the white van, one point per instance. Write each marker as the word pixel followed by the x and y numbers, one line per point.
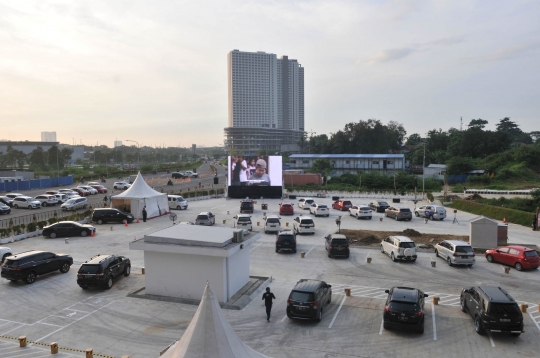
pixel 272 224
pixel 177 202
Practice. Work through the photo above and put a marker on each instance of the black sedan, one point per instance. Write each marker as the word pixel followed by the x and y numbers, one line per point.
pixel 178 175
pixel 7 201
pixel 68 228
pixel 4 209
pixel 379 206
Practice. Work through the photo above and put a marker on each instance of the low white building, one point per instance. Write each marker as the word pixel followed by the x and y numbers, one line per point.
pixel 179 260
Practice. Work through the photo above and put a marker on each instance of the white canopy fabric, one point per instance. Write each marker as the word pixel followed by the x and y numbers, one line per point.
pixel 209 335
pixel 140 195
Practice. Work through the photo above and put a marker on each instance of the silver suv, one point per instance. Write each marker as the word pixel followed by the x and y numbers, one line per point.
pixel 26 202
pixel 399 248
pixel 205 218
pixel 75 204
pixel 455 252
pixel 46 199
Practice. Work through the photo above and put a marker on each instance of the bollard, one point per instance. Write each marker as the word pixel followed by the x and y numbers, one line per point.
pixel 66 240
pixel 125 356
pixel 433 263
pixel 287 223
pixel 89 353
pixel 435 300
pixel 22 341
pixel 507 270
pixel 224 221
pixel 347 292
pixel 143 270
pixel 380 219
pixel 425 220
pixel 258 223
pixel 111 228
pixel 523 307
pixel 227 212
pixel 368 260
pixel 54 348
pixel 302 255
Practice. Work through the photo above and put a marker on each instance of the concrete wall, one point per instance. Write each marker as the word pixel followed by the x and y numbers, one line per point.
pixel 238 271
pixel 302 179
pixel 483 234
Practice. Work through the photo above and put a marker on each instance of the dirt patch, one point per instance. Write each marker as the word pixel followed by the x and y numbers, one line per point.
pixel 374 238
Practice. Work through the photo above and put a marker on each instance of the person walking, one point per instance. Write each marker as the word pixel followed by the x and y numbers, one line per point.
pixel 144 214
pixel 268 297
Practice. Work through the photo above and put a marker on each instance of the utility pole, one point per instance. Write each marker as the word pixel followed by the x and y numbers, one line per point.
pixel 423 170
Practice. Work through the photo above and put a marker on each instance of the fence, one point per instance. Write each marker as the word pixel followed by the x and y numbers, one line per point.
pixel 35 184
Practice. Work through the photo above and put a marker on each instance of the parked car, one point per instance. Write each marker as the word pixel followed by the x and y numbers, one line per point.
pixel 308 299
pixel 121 185
pixel 360 211
pixel 520 257
pixel 205 218
pixel 101 270
pixel 246 206
pixel 70 193
pixel 62 198
pixel 91 183
pixel 28 265
pixel 7 201
pixel 455 252
pixel 178 175
pixel 81 191
pixel 26 202
pixel 68 228
pixel 243 221
pixel 304 225
pixel 272 223
pixel 305 203
pixel 432 212
pixel 404 309
pixel 5 252
pixel 342 204
pixel 47 200
pixel 100 188
pixel 378 206
pixel 177 202
pixel 286 208
pixel 4 209
pixel 399 248
pixel 286 240
pixel 398 213
pixel 492 309
pixel 75 204
pixel 89 189
pixel 319 210
pixel 13 195
pixel 337 245
pixel 301 201
pixel 110 215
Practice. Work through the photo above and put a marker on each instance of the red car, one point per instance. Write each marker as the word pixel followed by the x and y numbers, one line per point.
pixel 520 257
pixel 80 191
pixel 342 205
pixel 100 188
pixel 286 208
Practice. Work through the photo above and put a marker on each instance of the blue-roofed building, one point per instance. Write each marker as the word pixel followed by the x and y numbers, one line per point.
pixel 352 163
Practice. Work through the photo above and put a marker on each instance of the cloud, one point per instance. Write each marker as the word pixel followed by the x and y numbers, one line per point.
pixel 508 53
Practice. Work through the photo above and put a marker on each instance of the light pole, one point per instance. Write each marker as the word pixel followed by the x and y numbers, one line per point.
pixel 423 170
pixel 138 152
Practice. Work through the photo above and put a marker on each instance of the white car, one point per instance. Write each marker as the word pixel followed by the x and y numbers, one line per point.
pixel 305 203
pixel 121 185
pixel 399 248
pixel 26 202
pixel 455 252
pixel 304 225
pixel 432 212
pixel 91 190
pixel 272 223
pixel 70 193
pixel 75 204
pixel 177 202
pixel 14 195
pixel 360 211
pixel 319 210
pixel 46 199
pixel 5 252
pixel 93 183
pixel 243 221
pixel 191 174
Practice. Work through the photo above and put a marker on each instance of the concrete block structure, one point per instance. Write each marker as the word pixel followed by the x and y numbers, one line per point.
pixel 483 232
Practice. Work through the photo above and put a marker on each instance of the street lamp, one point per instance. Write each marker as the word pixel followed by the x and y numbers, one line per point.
pixel 138 152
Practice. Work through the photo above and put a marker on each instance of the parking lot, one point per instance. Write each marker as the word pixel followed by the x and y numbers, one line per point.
pixel 55 309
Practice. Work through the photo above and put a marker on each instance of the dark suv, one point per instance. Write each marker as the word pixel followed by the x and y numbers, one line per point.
pixel 308 299
pixel 337 245
pixel 27 266
pixel 404 308
pixel 492 309
pixel 106 215
pixel 286 240
pixel 101 270
pixel 246 206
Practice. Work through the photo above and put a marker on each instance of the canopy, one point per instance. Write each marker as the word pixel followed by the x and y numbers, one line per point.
pixel 140 195
pixel 209 335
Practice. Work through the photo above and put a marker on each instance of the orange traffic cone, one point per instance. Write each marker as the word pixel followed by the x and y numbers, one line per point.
pixel 137 219
pixel 504 220
pixel 126 223
pixel 92 233
pixel 134 238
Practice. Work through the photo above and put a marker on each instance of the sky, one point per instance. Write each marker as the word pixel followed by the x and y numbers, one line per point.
pixel 156 71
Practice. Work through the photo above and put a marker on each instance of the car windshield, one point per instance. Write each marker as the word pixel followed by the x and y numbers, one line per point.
pixel 202 217
pixel 403 306
pixel 285 238
pixel 307 221
pixel 347 202
pixel 286 206
pixel 383 203
pixel 10 263
pixel 309 201
pixel 301 296
pixel 530 253
pixel 503 308
pixel 339 241
pixel 363 208
pixel 71 201
pixel 273 220
pixel 404 210
pixel 464 249
pixel 91 269
pixel 244 218
pixel 322 206
pixel 406 244
pixel 246 205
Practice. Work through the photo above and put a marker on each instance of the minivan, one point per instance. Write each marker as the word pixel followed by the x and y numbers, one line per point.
pixel 286 240
pixel 246 206
pixel 272 223
pixel 399 248
pixel 304 225
pixel 337 245
pixel 455 252
pixel 308 299
pixel 75 204
pixel 106 215
pixel 177 202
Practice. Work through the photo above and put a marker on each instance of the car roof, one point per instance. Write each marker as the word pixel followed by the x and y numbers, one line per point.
pixel 457 242
pixel 518 247
pixel 496 294
pixel 286 232
pixel 97 259
pixel 307 285
pixel 305 217
pixel 244 215
pixel 402 238
pixel 206 213
pixel 272 216
pixel 24 254
pixel 285 203
pixel 405 294
pixel 339 236
pixel 67 222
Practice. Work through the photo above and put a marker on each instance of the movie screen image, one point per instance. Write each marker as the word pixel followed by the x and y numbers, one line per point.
pixel 253 170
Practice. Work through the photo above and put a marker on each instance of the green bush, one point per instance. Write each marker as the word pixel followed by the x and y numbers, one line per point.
pixel 52 221
pixel 497 213
pixel 31 227
pixel 41 224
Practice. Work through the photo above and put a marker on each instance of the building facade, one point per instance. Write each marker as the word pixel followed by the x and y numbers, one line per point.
pixel 352 163
pixel 266 102
pixel 48 136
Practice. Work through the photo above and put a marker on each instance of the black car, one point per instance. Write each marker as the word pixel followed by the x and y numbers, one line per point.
pixel 404 308
pixel 337 245
pixel 492 309
pixel 286 240
pixel 27 266
pixel 177 175
pixel 108 215
pixel 68 228
pixel 101 270
pixel 246 206
pixel 6 200
pixel 4 209
pixel 379 206
pixel 308 299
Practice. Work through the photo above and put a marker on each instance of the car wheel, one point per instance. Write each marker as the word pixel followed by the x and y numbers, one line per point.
pixel 127 271
pixel 65 267
pixel 329 299
pixel 515 334
pixel 416 214
pixel 386 326
pixel 4 257
pixel 30 277
pixel 478 326
pixel 294 251
pixel 29 206
pixel 178 207
pixel 16 206
pixel 421 329
pixel 382 249
pixel 84 287
pixel 393 257
pixel 84 233
pixel 518 266
pixel 431 217
pixel 462 305
pixel 52 235
pixel 277 250
pixel 437 253
pixel 489 258
pixel 109 283
pixel 319 316
pixel 449 261
pixel 329 255
pixel 100 221
pixel 44 204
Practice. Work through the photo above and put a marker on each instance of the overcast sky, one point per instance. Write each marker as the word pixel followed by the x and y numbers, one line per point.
pixel 156 71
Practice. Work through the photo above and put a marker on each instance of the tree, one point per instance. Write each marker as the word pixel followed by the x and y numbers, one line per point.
pixel 414 139
pixel 37 158
pixel 478 123
pixel 457 165
pixel 513 131
pixel 14 157
pixel 320 165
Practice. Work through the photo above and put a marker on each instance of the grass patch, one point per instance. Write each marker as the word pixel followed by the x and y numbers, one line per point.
pixel 494 212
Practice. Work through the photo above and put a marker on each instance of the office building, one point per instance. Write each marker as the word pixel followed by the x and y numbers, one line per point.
pixel 48 136
pixel 266 102
pixel 117 143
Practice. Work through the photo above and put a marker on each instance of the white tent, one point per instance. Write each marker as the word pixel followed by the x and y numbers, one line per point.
pixel 140 195
pixel 209 335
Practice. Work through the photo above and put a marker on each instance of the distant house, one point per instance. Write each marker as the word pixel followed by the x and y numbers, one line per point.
pixel 477 172
pixel 435 169
pixel 352 163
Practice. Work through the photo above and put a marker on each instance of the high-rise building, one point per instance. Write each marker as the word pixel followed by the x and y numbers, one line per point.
pixel 117 143
pixel 48 136
pixel 266 102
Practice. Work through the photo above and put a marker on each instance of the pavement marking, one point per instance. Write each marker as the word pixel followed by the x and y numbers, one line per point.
pixel 49 324
pixel 310 251
pixel 217 206
pixel 382 326
pixel 283 319
pixel 434 323
pixel 255 247
pixel 337 312
pixel 4 333
pixel 491 339
pixel 71 309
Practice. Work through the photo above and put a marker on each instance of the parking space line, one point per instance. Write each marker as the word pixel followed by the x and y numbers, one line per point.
pixel 255 247
pixel 382 326
pixel 4 333
pixel 283 319
pixel 49 324
pixel 491 339
pixel 337 312
pixel 434 323
pixel 1 325
pixel 307 253
pixel 535 320
pixel 71 309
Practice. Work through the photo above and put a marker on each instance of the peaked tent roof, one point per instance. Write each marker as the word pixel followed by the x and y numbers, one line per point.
pixel 209 335
pixel 139 189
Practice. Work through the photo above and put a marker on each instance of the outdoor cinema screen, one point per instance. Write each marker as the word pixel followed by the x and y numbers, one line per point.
pixel 254 171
